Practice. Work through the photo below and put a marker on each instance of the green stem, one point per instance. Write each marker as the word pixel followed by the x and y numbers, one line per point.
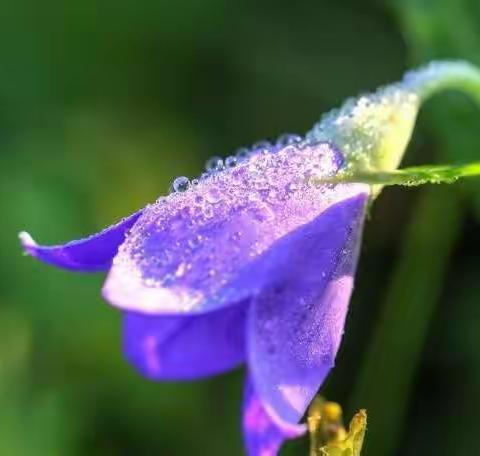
pixel 444 75
pixel 392 357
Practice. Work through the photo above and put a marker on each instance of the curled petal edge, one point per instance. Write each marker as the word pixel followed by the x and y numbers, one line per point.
pixel 91 254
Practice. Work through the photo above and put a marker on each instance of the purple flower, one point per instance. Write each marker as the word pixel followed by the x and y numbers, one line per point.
pixel 253 264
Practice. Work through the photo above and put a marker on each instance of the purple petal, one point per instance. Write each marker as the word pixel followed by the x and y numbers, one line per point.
pixel 296 321
pixel 94 253
pixel 187 250
pixel 264 434
pixel 183 348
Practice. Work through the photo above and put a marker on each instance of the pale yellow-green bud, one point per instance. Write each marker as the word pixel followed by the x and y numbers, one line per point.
pixel 374 130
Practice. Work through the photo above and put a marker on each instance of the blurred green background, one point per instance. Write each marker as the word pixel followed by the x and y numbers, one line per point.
pixel 103 103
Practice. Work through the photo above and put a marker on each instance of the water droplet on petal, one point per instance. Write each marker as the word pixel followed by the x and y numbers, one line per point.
pixel 181 270
pixel 287 139
pixel 231 161
pixel 214 164
pixel 261 146
pixel 213 195
pixel 242 154
pixel 303 144
pixel 291 187
pixel 181 184
pixel 236 235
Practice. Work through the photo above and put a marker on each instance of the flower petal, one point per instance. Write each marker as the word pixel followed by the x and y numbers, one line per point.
pixel 187 250
pixel 184 348
pixel 94 253
pixel 262 433
pixel 296 321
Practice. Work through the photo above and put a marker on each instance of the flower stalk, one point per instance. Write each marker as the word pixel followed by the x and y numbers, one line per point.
pixel 447 75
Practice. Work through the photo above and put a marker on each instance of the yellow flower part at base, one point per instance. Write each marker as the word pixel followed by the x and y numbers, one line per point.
pixel 328 436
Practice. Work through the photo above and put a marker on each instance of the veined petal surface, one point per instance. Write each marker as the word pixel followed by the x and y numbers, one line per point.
pixel 296 321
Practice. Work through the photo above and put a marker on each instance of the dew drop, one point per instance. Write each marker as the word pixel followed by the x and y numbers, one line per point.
pixel 214 164
pixel 236 236
pixel 242 154
pixel 231 162
pixel 291 187
pixel 213 196
pixel 181 270
pixel 288 139
pixel 261 146
pixel 181 184
pixel 303 144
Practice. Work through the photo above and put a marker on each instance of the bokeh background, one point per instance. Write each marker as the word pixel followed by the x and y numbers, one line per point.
pixel 103 103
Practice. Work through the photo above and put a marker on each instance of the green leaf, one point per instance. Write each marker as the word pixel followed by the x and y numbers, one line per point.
pixel 414 176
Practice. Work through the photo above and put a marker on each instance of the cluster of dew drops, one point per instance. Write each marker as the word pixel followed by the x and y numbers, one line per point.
pixel 216 164
pixel 162 253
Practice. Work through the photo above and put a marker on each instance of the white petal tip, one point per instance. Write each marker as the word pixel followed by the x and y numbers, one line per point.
pixel 26 240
